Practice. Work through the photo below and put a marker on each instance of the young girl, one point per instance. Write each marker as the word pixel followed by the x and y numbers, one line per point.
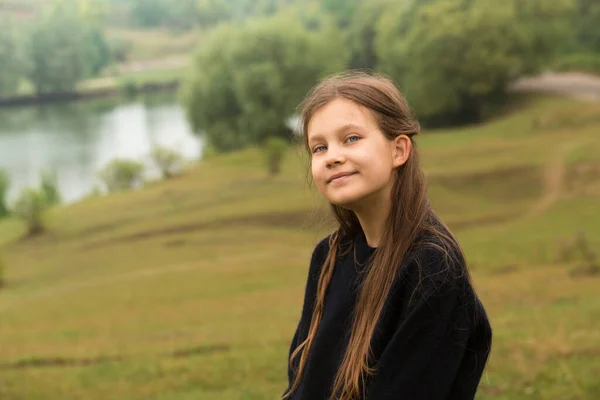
pixel 389 310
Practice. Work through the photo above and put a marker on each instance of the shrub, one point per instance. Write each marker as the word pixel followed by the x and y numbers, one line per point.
pixel 29 207
pixel 2 272
pixel 49 186
pixel 579 62
pixel 4 184
pixel 122 174
pixel 275 148
pixel 168 161
pixel 128 87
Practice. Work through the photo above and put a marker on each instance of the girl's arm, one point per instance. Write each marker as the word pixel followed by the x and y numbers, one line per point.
pixel 438 351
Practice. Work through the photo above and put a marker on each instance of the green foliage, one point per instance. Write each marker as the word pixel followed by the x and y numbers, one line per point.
pixel 49 187
pixel 30 206
pixel 4 185
pixel 56 50
pixel 149 13
pixel 120 50
pixel 587 21
pixel 342 10
pixel 275 148
pixel 581 62
pixel 362 32
pixel 452 57
pixel 2 272
pixel 182 15
pixel 11 58
pixel 246 80
pixel 97 51
pixel 168 161
pixel 122 174
pixel 128 87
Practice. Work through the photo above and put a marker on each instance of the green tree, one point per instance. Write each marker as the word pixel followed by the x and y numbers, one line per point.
pixel 362 32
pixel 275 148
pixel 587 23
pixel 56 50
pixel 2 273
pixel 342 10
pixel 4 185
pixel 30 207
pixel 122 174
pixel 168 161
pixel 49 187
pixel 149 13
pixel 11 58
pixel 452 57
pixel 97 52
pixel 246 81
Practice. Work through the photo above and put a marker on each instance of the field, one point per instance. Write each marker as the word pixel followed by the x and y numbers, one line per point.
pixel 191 288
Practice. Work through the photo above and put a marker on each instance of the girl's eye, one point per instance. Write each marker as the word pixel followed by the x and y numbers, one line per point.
pixel 350 139
pixel 318 149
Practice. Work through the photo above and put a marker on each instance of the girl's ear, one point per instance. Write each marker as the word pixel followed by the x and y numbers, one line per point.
pixel 401 148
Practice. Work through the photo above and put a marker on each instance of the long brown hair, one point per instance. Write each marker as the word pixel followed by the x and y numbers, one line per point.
pixel 411 216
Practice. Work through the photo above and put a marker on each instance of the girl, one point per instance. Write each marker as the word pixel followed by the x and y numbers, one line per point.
pixel 389 310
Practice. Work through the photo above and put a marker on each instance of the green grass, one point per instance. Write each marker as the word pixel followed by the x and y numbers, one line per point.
pixel 191 288
pixel 154 44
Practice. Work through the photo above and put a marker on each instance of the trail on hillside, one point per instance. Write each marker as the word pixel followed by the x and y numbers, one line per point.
pixel 553 178
pixel 572 84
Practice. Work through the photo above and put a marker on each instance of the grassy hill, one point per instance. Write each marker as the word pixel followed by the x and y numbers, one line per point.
pixel 191 288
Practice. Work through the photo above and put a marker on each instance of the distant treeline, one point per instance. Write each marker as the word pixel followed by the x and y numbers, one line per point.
pixel 255 60
pixel 453 59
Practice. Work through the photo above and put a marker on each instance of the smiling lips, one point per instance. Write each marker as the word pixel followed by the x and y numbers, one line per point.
pixel 340 176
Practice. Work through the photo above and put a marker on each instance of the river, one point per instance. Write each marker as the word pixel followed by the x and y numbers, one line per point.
pixel 75 140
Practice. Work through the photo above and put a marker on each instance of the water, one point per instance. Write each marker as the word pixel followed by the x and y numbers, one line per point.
pixel 77 139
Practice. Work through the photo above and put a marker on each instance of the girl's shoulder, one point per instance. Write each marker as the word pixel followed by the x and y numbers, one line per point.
pixel 435 264
pixel 318 257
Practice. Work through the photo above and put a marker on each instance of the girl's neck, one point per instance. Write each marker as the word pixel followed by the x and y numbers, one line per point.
pixel 373 217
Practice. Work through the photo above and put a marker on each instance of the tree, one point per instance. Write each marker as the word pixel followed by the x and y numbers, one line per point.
pixel 4 185
pixel 49 187
pixel 56 50
pixel 30 207
pixel 451 57
pixel 168 161
pixel 149 13
pixel 97 52
pixel 246 81
pixel 587 21
pixel 122 174
pixel 11 60
pixel 362 32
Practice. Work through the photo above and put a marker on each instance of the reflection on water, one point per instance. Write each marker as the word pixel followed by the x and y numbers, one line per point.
pixel 77 139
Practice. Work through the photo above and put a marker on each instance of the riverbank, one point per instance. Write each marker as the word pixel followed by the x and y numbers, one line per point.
pixel 127 83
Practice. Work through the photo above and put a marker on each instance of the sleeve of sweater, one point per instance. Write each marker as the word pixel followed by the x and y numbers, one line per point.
pixel 316 262
pixel 435 352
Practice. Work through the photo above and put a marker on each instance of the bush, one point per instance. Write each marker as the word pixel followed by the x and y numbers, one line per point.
pixel 30 207
pixel 2 271
pixel 122 174
pixel 128 88
pixel 578 62
pixel 4 184
pixel 169 161
pixel 275 148
pixel 49 187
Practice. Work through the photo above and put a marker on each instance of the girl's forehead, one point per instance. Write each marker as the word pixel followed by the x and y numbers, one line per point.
pixel 337 114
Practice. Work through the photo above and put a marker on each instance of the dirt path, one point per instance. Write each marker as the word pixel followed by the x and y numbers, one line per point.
pixel 573 84
pixel 553 181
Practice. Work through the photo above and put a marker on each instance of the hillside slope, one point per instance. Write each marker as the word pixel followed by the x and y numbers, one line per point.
pixel 191 288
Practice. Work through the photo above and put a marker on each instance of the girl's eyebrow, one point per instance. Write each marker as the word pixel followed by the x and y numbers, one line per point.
pixel 319 137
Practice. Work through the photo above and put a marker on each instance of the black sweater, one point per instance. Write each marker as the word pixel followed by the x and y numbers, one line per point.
pixel 434 349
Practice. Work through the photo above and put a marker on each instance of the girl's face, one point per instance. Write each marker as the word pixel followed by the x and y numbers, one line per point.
pixel 352 160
